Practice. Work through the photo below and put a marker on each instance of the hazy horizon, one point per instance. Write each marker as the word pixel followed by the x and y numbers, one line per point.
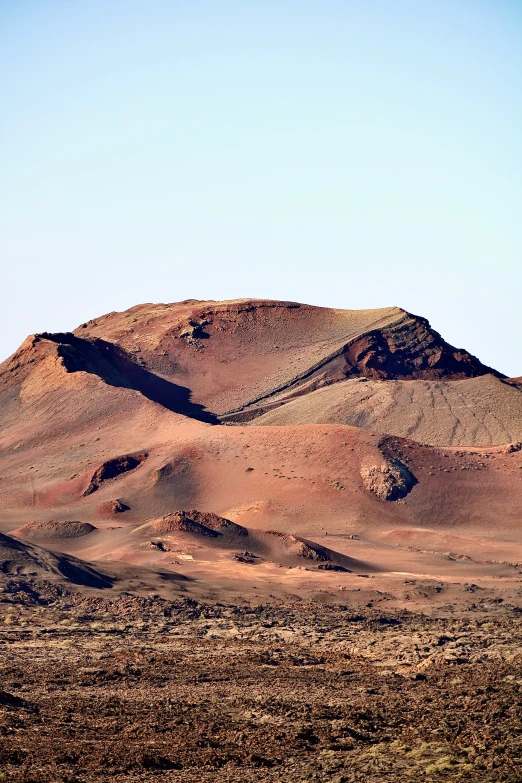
pixel 349 155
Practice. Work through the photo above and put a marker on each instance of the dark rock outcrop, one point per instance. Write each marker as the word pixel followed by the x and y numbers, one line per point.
pixel 113 468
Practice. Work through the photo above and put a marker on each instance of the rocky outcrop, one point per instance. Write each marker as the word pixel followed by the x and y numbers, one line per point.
pixel 300 547
pixel 158 546
pixel 512 448
pixel 410 349
pixel 113 468
pixel 113 507
pixel 390 480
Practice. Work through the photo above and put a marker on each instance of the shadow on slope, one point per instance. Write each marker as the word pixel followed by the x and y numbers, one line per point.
pixel 114 366
pixel 21 559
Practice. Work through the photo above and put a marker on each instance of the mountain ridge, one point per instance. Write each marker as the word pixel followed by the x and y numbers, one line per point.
pixel 265 362
pixel 128 419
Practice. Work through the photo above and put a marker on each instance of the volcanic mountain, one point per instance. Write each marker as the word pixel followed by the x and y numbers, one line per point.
pixel 240 358
pixel 307 421
pixel 244 361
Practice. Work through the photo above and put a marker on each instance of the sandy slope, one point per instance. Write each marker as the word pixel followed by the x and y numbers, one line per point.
pixel 470 412
pixel 302 480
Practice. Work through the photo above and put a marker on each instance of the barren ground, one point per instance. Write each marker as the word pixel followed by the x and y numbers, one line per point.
pixel 145 689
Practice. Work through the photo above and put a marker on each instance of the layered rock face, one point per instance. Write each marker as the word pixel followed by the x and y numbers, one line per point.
pixel 410 349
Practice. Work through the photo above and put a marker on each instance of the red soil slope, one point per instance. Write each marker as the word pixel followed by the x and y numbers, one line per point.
pixel 121 416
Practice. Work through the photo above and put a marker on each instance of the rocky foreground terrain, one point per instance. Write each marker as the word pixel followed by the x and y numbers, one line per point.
pixel 143 688
pixel 146 689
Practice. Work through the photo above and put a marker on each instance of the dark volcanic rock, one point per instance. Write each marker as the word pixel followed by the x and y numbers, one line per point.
pixel 112 468
pixel 410 349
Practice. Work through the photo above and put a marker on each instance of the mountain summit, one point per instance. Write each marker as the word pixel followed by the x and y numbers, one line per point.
pixel 277 363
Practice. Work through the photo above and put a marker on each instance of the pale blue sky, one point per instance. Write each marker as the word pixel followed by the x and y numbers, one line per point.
pixel 352 154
